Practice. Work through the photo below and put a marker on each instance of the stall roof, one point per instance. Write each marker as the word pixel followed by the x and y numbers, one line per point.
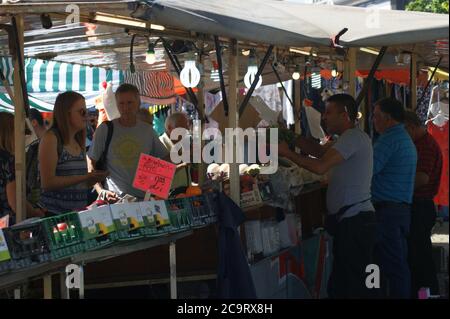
pixel 255 22
pixel 287 23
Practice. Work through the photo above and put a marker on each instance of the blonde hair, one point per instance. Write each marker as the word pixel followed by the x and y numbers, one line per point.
pixel 7 132
pixel 63 104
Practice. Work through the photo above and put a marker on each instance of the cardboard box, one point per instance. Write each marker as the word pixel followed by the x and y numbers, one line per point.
pixel 250 199
pixel 4 251
pixel 127 216
pixel 155 213
pixel 96 222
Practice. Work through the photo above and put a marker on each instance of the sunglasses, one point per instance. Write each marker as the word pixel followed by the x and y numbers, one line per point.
pixel 82 112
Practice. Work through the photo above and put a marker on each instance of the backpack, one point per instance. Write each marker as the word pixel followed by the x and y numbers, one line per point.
pixel 33 177
pixel 101 163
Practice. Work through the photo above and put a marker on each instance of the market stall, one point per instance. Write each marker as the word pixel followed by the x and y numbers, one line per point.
pixel 230 41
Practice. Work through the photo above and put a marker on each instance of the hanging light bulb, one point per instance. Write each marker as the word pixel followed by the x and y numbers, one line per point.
pixel 251 72
pixel 150 56
pixel 334 72
pixel 296 74
pixel 190 75
pixel 316 79
pixel 215 72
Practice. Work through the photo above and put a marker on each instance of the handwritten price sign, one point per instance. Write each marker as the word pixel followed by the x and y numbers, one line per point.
pixel 154 176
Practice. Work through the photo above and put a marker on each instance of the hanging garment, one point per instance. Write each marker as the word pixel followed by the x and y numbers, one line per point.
pixel 154 87
pixel 422 107
pixel 271 95
pixel 234 279
pixel 440 134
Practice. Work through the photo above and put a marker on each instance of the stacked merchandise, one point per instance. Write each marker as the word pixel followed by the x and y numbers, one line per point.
pixel 36 241
pixel 266 238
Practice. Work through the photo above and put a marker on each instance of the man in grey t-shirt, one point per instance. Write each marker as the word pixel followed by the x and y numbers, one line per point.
pixel 130 138
pixel 351 217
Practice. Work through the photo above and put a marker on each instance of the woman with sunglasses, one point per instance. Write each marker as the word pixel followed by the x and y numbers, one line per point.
pixel 62 157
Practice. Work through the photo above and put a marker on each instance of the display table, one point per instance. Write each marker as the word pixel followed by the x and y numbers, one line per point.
pixel 15 278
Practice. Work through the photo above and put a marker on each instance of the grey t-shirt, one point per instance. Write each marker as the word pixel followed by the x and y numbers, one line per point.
pixel 350 181
pixel 126 146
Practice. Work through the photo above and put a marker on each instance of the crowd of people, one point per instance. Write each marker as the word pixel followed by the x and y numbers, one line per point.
pixel 64 172
pixel 380 195
pixel 379 198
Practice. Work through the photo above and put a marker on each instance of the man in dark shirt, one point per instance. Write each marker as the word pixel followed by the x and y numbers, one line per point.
pixel 423 215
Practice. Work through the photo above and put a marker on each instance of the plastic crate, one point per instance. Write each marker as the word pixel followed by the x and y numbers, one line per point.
pixel 156 218
pixel 64 235
pixel 127 220
pixel 28 244
pixel 98 228
pixel 180 214
pixel 6 266
pixel 202 213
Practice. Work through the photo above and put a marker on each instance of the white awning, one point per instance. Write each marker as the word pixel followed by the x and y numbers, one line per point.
pixel 292 24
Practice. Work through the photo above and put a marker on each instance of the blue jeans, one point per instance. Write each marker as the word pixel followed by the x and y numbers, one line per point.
pixel 391 248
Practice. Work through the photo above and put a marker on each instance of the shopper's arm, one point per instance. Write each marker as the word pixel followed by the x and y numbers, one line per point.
pixel 110 196
pixel 318 166
pixel 312 147
pixel 11 197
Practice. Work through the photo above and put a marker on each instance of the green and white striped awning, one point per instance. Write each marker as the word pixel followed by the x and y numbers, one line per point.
pixel 51 76
pixel 7 105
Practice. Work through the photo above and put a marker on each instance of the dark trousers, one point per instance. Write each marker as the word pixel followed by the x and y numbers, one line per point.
pixel 423 270
pixel 391 250
pixel 353 244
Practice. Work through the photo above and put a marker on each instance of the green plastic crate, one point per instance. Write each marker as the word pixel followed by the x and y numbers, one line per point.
pixel 64 234
pixel 28 244
pixel 202 211
pixel 180 214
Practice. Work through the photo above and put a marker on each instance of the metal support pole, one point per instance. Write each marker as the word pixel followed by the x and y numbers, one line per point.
pixel 17 293
pixel 349 71
pixel 20 105
pixel 429 81
pixel 177 67
pixel 64 291
pixel 48 293
pixel 282 85
pixel 297 108
pixel 222 81
pixel 413 82
pixel 233 118
pixel 371 76
pixel 173 270
pixel 255 82
pixel 81 291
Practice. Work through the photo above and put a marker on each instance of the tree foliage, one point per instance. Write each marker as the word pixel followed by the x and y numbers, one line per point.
pixel 435 6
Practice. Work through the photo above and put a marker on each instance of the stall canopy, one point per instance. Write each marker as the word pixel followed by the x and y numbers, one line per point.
pixel 51 76
pixel 7 105
pixel 286 23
